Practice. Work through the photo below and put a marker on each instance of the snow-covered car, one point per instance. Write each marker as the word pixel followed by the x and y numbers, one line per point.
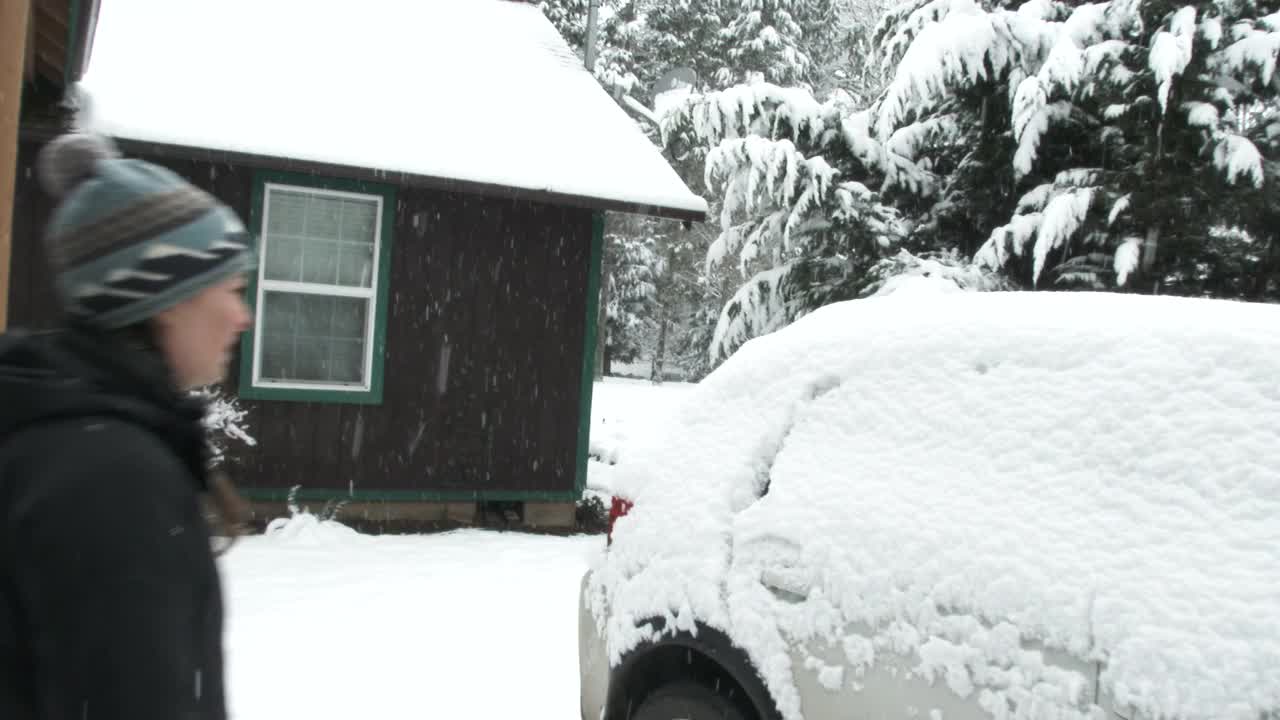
pixel 935 505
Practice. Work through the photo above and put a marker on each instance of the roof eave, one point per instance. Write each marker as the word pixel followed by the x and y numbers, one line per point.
pixel 270 162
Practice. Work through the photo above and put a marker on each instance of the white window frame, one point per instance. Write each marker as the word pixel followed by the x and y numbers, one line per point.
pixel 264 285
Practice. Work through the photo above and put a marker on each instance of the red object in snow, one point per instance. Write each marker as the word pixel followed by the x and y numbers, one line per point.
pixel 618 508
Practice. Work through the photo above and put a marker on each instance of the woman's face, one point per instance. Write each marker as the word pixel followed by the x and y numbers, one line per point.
pixel 197 335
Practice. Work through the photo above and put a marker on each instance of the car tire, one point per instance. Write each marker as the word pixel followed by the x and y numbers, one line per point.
pixel 687 701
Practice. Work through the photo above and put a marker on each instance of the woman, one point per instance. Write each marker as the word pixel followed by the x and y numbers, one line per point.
pixel 110 601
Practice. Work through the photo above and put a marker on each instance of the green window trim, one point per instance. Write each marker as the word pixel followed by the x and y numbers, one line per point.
pixel 589 351
pixel 373 394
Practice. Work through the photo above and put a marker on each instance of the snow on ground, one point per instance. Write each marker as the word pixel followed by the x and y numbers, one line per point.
pixel 621 410
pixel 326 624
pixel 952 473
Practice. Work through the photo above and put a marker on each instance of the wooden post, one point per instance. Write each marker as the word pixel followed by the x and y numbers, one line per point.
pixel 14 15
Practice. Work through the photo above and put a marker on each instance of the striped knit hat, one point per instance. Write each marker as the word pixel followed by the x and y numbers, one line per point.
pixel 130 239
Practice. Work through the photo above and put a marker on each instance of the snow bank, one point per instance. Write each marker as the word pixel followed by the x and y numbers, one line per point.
pixel 918 284
pixel 305 528
pixel 960 478
pixel 475 90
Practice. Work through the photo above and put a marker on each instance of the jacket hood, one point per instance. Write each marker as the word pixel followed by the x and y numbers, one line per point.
pixel 70 373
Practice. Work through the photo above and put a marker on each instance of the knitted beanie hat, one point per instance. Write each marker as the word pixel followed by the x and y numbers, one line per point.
pixel 130 239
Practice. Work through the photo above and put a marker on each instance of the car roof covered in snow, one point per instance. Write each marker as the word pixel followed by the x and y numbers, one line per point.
pixel 480 93
pixel 959 471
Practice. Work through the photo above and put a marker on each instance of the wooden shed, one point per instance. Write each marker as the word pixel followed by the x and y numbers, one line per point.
pixel 427 185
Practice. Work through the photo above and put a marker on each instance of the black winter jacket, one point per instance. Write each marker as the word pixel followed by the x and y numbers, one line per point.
pixel 110 602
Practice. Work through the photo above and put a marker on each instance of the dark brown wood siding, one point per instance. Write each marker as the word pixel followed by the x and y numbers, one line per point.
pixel 32 301
pixel 485 329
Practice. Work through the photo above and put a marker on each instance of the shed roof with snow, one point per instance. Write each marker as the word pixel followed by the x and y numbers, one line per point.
pixel 466 94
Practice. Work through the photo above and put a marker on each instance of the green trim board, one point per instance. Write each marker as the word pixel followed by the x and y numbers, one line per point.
pixel 73 31
pixel 373 396
pixel 282 494
pixel 589 351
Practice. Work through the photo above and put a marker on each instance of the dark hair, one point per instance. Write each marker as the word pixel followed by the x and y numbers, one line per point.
pixel 232 513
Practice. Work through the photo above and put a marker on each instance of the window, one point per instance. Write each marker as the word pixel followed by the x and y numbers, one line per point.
pixel 320 291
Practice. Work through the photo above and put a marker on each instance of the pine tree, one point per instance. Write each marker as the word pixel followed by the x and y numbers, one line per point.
pixel 1128 144
pixel 770 40
pixel 632 266
pixel 1104 130
pixel 655 293
pixel 840 51
pixel 1124 144
pixel 807 200
pixel 723 42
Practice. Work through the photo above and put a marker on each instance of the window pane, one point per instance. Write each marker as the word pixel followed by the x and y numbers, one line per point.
pixel 279 314
pixel 348 361
pixel 315 313
pixel 320 239
pixel 277 357
pixel 324 213
pixel 355 268
pixel 284 258
pixel 311 358
pixel 286 212
pixel 313 338
pixel 320 262
pixel 359 220
pixel 349 319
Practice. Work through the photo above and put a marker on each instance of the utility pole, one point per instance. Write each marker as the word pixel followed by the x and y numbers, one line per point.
pixel 593 10
pixel 14 17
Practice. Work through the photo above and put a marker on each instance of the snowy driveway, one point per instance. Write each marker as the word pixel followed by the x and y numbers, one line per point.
pixel 468 624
